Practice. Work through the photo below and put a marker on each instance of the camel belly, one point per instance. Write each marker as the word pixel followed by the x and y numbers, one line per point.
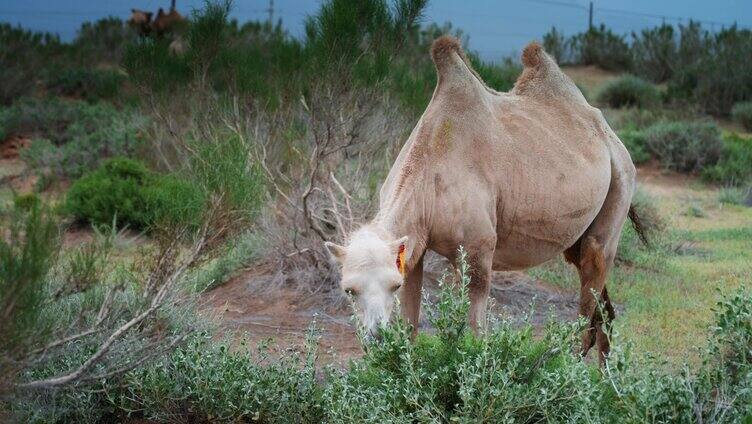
pixel 540 226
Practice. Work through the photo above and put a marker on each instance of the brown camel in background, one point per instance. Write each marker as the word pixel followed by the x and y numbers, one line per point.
pixel 167 22
pixel 162 24
pixel 140 20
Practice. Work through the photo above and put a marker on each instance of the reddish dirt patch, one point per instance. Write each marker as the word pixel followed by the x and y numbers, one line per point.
pixel 283 315
pixel 655 175
pixel 12 146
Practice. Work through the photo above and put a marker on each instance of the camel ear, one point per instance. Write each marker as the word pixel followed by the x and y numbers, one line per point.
pixel 133 10
pixel 399 245
pixel 337 251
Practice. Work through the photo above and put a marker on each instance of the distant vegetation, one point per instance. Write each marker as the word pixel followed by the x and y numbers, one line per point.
pixel 702 67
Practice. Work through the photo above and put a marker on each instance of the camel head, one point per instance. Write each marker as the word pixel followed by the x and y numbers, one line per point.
pixel 139 17
pixel 372 272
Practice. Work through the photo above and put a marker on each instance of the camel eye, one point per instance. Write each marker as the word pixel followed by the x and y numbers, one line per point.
pixel 395 287
pixel 350 292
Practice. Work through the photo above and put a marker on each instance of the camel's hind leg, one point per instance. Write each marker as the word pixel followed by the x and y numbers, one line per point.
pixel 593 255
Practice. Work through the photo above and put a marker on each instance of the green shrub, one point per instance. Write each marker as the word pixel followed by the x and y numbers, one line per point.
pixel 556 45
pixel 733 167
pixel 86 83
pixel 654 53
pixel 742 113
pixel 42 118
pixel 27 201
pixel 102 41
pixel 635 143
pixel 237 253
pixel 629 91
pixel 71 137
pixel 24 55
pixel 602 47
pixel 499 77
pixel 149 63
pixel 207 381
pixel 28 250
pixel 684 146
pixel 713 70
pixel 126 189
pixel 695 210
pixel 732 195
pixel 509 374
pixel 230 175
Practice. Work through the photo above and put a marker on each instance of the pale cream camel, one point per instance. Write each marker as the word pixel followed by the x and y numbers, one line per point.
pixel 516 178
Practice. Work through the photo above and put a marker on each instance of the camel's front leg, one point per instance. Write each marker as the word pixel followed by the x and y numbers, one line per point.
pixel 410 297
pixel 480 286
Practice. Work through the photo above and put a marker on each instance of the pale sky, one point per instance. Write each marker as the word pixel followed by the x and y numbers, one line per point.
pixel 496 28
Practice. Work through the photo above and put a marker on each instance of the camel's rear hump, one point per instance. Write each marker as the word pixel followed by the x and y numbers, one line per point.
pixel 543 78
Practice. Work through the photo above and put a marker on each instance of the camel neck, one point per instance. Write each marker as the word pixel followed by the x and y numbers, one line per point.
pixel 392 224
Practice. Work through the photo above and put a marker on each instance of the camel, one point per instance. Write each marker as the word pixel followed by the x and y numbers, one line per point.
pixel 140 20
pixel 515 178
pixel 167 22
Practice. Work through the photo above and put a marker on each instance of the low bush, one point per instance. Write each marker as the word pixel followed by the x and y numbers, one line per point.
pixel 237 253
pixel 733 166
pixel 684 146
pixel 635 143
pixel 71 137
pixel 205 381
pixel 733 195
pixel 37 118
pixel 24 56
pixel 508 374
pixel 629 91
pixel 742 113
pixel 86 83
pixel 135 196
pixel 77 320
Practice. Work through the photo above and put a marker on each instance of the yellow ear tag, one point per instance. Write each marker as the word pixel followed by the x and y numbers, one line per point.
pixel 401 260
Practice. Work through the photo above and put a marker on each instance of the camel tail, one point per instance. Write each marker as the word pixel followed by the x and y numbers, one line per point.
pixel 637 225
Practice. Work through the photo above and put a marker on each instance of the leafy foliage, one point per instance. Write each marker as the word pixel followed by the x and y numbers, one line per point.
pixel 635 143
pixel 684 146
pixel 712 71
pixel 27 254
pixel 601 46
pixel 23 57
pixel 742 113
pixel 733 166
pixel 629 91
pixel 700 67
pixel 655 53
pixel 70 137
pixel 90 84
pixel 126 189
